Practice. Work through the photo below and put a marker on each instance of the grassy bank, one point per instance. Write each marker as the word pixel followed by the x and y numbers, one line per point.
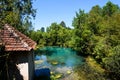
pixel 91 70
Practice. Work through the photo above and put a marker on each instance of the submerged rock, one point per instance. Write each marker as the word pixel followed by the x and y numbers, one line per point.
pixel 69 72
pixel 51 72
pixel 54 62
pixel 59 75
pixel 39 61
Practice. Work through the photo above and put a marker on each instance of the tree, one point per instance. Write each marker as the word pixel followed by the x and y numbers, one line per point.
pixel 110 9
pixel 21 10
pixel 42 29
pixel 81 33
pixel 95 17
pixel 63 24
pixel 112 64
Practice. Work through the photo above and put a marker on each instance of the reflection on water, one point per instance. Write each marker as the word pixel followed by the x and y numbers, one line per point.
pixel 58 60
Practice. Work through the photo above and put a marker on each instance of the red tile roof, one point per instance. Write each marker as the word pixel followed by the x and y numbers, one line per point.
pixel 15 40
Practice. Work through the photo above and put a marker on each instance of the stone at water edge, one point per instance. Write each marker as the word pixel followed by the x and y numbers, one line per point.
pixel 57 76
pixel 39 61
pixel 51 72
pixel 69 72
pixel 54 62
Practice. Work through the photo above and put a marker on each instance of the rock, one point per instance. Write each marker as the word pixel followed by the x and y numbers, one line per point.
pixel 57 76
pixel 39 61
pixel 51 72
pixel 54 62
pixel 69 72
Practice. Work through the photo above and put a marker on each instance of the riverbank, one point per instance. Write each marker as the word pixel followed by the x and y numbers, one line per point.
pixel 91 70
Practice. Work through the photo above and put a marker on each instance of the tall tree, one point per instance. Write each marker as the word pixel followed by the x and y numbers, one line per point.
pixel 81 33
pixel 42 29
pixel 63 24
pixel 94 19
pixel 17 13
pixel 110 8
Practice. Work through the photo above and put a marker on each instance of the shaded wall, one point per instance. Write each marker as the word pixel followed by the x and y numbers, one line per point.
pixel 31 65
pixel 21 65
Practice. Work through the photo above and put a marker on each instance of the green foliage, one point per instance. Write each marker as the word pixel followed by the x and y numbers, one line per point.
pixel 112 63
pixel 55 35
pixel 86 72
pixel 94 19
pixel 81 32
pixel 96 33
pixel 43 29
pixel 22 12
pixel 110 9
pixel 100 49
pixel 63 24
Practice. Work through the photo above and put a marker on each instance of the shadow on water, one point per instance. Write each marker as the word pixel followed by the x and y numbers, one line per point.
pixel 42 74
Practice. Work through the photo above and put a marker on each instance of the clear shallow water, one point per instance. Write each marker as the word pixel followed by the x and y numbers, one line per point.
pixel 58 60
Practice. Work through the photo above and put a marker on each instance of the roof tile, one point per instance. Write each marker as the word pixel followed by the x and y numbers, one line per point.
pixel 15 40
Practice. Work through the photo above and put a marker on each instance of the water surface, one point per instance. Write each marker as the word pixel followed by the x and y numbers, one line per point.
pixel 58 60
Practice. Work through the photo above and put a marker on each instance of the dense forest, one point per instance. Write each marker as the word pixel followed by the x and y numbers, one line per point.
pixel 95 33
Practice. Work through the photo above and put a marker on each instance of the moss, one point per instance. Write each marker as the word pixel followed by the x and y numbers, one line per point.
pixel 90 70
pixel 93 64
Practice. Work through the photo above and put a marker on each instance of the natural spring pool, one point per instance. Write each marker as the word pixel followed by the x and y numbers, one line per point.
pixel 60 61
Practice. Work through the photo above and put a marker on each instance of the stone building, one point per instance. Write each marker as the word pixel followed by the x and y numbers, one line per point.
pixel 17 55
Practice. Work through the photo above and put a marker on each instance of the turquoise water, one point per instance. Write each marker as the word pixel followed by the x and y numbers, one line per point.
pixel 58 60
